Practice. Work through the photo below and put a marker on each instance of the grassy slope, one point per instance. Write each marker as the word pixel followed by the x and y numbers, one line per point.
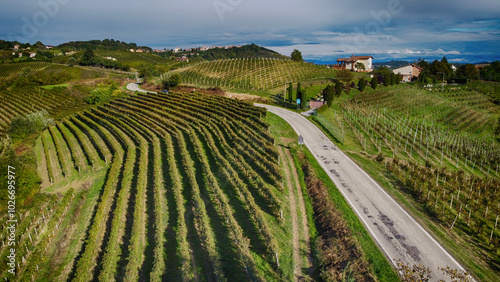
pixel 380 266
pixel 467 252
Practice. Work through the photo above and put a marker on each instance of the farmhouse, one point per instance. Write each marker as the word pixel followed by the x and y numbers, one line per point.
pixel 408 72
pixel 354 62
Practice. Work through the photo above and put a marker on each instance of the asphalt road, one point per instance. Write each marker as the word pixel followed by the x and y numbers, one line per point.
pixel 135 87
pixel 396 232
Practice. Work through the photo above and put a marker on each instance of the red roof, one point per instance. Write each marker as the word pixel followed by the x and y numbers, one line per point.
pixel 357 58
pixel 354 59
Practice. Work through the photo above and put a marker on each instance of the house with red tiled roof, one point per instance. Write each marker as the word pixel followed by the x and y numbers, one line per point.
pixel 354 62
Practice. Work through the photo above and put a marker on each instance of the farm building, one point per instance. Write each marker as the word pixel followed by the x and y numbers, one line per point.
pixel 408 72
pixel 352 63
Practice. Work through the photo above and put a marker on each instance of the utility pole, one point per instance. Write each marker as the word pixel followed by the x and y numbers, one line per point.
pixel 442 85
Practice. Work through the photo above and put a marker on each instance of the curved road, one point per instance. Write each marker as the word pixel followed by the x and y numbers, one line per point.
pixel 396 232
pixel 134 86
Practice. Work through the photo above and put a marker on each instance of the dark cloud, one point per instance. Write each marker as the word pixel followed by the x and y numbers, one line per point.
pixel 389 27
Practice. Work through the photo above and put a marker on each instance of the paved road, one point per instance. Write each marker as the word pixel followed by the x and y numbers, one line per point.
pixel 396 232
pixel 135 87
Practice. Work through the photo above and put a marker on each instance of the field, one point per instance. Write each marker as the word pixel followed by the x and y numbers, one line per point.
pixel 181 180
pixel 439 153
pixel 251 74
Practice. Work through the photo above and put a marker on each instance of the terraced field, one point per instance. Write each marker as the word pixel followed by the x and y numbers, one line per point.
pixel 181 179
pixel 8 69
pixel 251 74
pixel 24 101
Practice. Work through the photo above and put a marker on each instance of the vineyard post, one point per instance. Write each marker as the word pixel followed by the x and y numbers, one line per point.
pixel 494 228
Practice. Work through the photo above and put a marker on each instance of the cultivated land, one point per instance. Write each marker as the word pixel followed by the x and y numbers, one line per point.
pixel 144 186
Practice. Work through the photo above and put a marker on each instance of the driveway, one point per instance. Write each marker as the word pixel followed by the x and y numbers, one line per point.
pixel 396 232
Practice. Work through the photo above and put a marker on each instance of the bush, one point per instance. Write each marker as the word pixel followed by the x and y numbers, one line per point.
pixel 374 82
pixel 171 80
pixel 22 127
pixel 361 84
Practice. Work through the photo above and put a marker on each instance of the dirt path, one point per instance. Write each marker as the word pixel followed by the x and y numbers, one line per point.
pixel 293 184
pixel 302 208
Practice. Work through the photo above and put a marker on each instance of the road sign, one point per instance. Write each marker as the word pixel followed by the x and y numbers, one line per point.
pixel 301 140
pixel 298 101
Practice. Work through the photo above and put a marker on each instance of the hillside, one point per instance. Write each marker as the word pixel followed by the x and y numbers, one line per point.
pixel 437 153
pixel 251 74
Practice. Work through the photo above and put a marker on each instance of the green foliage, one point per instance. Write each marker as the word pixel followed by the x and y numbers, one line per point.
pixel 387 80
pixel 329 94
pixel 24 126
pixel 88 58
pixel 246 51
pixel 491 72
pixel 145 74
pixel 290 92
pixel 345 76
pixel 360 66
pixel 374 82
pixel 394 78
pixel 170 80
pixel 468 71
pixel 361 84
pixel 338 88
pixel 103 92
pixel 296 55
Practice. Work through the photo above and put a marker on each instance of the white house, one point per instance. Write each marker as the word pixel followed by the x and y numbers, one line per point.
pixel 408 72
pixel 352 63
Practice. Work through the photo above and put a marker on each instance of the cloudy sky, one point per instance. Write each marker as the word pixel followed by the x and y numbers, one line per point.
pixel 461 30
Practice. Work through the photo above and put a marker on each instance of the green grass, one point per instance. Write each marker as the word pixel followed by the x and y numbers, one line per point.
pixel 50 87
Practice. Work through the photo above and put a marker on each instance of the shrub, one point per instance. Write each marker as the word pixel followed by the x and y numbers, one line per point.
pixel 374 82
pixel 171 80
pixel 361 84
pixel 22 127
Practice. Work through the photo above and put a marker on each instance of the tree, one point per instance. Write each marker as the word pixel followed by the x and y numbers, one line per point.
pixel 387 80
pixel 361 84
pixel 290 92
pixel 374 82
pixel 88 58
pixel 468 71
pixel 329 94
pixel 299 94
pixel 394 78
pixel 296 56
pixel 345 76
pixel 144 74
pixel 171 81
pixel 360 66
pixel 338 88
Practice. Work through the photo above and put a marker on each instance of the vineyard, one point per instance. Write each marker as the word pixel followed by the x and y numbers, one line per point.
pixel 184 180
pixel 440 148
pixel 251 74
pixel 21 102
pixel 8 69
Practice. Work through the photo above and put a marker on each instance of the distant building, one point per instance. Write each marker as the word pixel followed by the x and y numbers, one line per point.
pixel 350 63
pixel 32 54
pixel 132 50
pixel 177 50
pixel 16 47
pixel 408 72
pixel 480 66
pixel 49 46
pixel 110 58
